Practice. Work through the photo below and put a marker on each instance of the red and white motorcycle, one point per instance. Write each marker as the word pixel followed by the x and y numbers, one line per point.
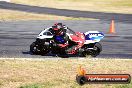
pixel 88 43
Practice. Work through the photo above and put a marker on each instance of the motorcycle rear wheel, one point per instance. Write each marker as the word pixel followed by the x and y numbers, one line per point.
pixel 38 50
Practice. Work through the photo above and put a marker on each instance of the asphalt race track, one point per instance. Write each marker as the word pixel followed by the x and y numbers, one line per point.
pixel 16 37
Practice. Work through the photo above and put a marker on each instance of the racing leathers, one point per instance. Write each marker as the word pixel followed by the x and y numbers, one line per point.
pixel 63 41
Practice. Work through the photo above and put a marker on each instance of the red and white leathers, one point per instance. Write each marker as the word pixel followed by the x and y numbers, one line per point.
pixel 77 38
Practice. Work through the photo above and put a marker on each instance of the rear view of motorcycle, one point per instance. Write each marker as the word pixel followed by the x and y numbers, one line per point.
pixel 88 43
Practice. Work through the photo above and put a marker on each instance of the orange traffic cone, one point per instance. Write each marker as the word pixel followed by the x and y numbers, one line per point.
pixel 112 27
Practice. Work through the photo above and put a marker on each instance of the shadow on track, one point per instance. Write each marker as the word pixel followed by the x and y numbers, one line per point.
pixel 52 55
pixel 104 56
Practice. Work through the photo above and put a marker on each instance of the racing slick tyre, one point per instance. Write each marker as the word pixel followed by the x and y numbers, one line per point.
pixel 81 80
pixel 97 48
pixel 38 50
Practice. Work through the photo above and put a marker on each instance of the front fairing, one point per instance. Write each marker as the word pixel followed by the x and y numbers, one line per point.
pixel 45 34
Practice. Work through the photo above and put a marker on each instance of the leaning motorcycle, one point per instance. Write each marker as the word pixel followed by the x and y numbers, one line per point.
pixel 44 43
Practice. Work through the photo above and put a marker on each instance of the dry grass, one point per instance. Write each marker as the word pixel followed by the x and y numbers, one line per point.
pixel 58 73
pixel 10 15
pixel 115 6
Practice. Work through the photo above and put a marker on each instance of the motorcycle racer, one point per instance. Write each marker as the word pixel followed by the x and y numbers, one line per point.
pixel 62 39
pixel 59 33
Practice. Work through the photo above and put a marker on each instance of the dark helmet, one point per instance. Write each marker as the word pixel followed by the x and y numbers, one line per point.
pixel 58 28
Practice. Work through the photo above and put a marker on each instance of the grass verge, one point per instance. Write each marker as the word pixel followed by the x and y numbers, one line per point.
pixel 58 73
pixel 11 15
pixel 114 6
